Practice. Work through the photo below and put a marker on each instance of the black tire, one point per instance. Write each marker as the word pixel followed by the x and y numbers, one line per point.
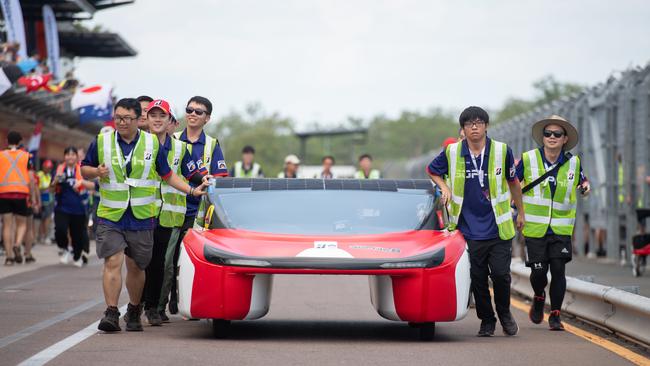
pixel 427 331
pixel 220 328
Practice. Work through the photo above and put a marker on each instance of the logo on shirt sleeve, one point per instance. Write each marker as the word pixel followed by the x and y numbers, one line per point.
pixel 191 166
pixel 513 171
pixel 221 164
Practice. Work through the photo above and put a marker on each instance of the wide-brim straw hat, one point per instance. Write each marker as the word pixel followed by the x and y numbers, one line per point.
pixel 571 132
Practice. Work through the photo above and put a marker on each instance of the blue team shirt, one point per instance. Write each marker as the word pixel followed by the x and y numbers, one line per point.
pixel 552 178
pixel 128 221
pixel 188 166
pixel 476 220
pixel 218 166
pixel 67 199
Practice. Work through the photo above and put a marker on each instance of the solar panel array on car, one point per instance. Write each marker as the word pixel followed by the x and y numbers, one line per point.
pixel 270 184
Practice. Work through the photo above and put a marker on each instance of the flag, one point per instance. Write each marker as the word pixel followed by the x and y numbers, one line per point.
pixel 35 141
pixel 5 83
pixel 93 103
pixel 35 82
pixel 14 25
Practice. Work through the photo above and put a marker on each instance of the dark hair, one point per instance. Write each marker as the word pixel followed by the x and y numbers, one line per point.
pixel 248 149
pixel 70 149
pixel 473 113
pixel 328 157
pixel 14 138
pixel 144 98
pixel 131 104
pixel 364 156
pixel 203 101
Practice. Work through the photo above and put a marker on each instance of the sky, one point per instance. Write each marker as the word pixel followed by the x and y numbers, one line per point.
pixel 322 61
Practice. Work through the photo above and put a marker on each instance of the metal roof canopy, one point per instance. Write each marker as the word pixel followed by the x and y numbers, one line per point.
pixel 86 44
pixel 68 9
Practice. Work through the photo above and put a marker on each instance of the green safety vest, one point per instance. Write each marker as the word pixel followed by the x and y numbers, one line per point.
pixel 208 149
pixel 241 173
pixel 139 189
pixel 374 174
pixel 172 212
pixel 542 210
pixel 498 184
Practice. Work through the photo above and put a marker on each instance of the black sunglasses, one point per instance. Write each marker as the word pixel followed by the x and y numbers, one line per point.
pixel 198 112
pixel 556 134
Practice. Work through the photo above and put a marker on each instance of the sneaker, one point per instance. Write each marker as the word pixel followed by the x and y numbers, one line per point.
pixel 536 313
pixel 30 259
pixel 132 318
pixel 78 263
pixel 111 320
pixel 487 329
pixel 554 322
pixel 84 258
pixel 65 258
pixel 153 317
pixel 510 327
pixel 163 316
pixel 18 257
pixel 9 262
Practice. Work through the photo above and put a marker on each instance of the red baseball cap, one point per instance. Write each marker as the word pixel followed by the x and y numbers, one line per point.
pixel 448 141
pixel 159 103
pixel 47 164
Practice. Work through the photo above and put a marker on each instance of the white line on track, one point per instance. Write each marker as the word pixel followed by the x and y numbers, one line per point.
pixel 48 322
pixel 58 348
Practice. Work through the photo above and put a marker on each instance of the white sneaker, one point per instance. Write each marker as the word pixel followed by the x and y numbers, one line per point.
pixel 65 258
pixel 78 263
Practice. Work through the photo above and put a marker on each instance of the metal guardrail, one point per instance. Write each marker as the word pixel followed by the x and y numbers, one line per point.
pixel 621 312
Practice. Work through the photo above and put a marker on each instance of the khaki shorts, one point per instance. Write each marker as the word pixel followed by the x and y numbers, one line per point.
pixel 137 245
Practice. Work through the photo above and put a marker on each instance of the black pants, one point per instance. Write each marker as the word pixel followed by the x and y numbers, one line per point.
pixel 154 272
pixel 187 224
pixel 75 225
pixel 490 258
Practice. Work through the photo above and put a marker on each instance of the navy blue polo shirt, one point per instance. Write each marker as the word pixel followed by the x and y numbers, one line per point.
pixel 128 221
pixel 218 166
pixel 188 166
pixel 476 220
pixel 68 200
pixel 552 178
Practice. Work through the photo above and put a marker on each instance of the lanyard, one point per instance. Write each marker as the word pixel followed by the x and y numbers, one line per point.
pixel 124 160
pixel 481 178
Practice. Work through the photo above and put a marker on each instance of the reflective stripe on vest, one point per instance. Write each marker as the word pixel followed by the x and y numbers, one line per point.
pixel 542 210
pixel 172 212
pixel 374 174
pixel 254 172
pixel 118 191
pixel 14 177
pixel 498 185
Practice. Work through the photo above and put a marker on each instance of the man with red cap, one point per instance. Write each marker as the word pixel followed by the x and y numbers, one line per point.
pixel 172 213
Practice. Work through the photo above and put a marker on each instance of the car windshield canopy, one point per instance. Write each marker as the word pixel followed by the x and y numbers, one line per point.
pixel 324 207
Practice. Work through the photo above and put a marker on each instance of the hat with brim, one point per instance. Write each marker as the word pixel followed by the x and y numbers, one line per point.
pixel 571 132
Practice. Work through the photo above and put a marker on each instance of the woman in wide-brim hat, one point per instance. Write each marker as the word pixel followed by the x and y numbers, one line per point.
pixel 570 132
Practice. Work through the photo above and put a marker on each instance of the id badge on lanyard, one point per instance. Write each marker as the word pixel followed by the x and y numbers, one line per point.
pixel 481 177
pixel 123 161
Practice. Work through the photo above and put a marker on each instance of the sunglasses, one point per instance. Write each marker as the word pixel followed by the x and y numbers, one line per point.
pixel 198 112
pixel 556 134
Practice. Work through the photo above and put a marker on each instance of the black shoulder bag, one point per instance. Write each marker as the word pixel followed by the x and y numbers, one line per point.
pixel 531 185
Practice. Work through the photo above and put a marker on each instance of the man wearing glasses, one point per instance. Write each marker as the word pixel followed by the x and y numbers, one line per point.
pixel 130 165
pixel 481 182
pixel 550 211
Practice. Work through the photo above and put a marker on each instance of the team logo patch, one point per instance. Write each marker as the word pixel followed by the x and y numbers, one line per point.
pixel 191 166
pixel 513 171
pixel 147 155
pixel 497 171
pixel 537 265
pixel 207 160
pixel 221 164
pixel 571 176
pixel 175 162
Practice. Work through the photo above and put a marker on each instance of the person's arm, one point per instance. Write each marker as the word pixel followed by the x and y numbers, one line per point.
pixel 515 189
pixel 90 167
pixel 436 169
pixel 191 170
pixel 445 192
pixel 583 183
pixel 88 184
pixel 218 167
pixel 178 183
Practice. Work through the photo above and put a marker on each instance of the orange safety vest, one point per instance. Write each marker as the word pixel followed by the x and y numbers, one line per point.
pixel 14 177
pixel 78 187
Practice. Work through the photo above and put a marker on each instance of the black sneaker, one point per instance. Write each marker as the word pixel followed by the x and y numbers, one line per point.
pixel 153 317
pixel 163 316
pixel 111 320
pixel 554 322
pixel 132 318
pixel 18 257
pixel 536 313
pixel 510 327
pixel 487 328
